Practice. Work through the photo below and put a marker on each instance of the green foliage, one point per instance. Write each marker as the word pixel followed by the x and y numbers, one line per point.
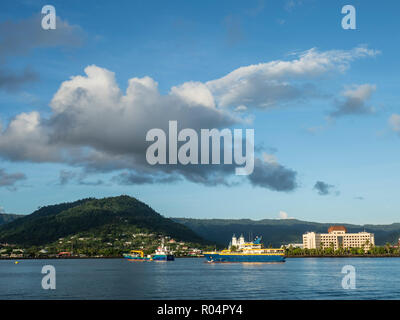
pixel 386 250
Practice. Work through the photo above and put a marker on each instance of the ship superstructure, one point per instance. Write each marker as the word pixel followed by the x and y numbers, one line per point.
pixel 162 253
pixel 241 251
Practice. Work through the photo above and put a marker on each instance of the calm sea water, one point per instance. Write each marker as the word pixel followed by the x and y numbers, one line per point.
pixel 297 278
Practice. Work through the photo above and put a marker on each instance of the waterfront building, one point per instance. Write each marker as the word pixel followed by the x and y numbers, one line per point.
pixel 395 246
pixel 337 237
pixel 64 254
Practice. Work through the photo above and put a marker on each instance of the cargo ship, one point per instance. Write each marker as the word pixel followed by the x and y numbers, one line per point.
pixel 241 251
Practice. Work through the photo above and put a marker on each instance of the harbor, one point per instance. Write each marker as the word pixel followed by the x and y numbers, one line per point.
pixel 116 279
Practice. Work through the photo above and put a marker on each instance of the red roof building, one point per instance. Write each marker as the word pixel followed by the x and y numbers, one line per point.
pixel 337 228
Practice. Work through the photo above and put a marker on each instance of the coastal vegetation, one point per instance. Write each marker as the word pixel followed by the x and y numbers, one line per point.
pixel 386 250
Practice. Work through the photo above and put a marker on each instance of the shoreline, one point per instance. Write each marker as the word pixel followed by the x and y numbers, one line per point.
pixel 77 258
pixel 346 256
pixel 118 257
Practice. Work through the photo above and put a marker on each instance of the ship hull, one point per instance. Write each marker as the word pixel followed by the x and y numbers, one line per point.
pixel 163 257
pixel 134 258
pixel 216 257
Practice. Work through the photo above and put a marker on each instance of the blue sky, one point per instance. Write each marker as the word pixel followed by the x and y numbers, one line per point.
pixel 355 155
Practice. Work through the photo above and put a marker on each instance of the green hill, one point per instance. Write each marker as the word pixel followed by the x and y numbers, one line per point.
pixel 8 217
pixel 277 232
pixel 92 217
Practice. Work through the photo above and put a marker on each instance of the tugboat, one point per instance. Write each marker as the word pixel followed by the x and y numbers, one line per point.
pixel 162 253
pixel 241 251
pixel 136 255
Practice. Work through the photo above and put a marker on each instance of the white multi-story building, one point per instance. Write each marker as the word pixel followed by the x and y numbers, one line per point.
pixel 339 238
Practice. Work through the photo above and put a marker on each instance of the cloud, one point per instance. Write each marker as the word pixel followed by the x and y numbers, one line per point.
pixel 78 120
pixel 241 108
pixel 2 210
pixel 270 158
pixel 12 81
pixel 20 37
pixel 323 188
pixel 291 4
pixel 280 83
pixel 27 139
pixel 66 177
pixel 96 126
pixel 194 93
pixel 394 122
pixel 316 129
pixel 78 132
pixel 354 102
pixel 254 11
pixel 134 178
pixel 283 215
pixel 359 198
pixel 9 180
pixel 271 175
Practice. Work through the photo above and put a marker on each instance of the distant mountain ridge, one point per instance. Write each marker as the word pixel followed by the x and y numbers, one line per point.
pixel 279 231
pixel 94 216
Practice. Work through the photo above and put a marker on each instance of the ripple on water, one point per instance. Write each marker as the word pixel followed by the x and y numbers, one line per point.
pixel 299 278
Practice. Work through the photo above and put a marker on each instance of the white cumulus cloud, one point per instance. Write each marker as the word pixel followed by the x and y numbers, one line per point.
pixel 279 82
pixel 95 125
pixel 284 215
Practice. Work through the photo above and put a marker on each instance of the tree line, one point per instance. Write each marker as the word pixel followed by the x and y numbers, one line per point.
pixel 386 250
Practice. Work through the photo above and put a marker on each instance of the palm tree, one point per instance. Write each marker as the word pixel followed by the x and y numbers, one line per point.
pixel 387 247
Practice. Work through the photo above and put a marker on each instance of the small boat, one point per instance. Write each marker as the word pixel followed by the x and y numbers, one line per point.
pixel 136 255
pixel 162 254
